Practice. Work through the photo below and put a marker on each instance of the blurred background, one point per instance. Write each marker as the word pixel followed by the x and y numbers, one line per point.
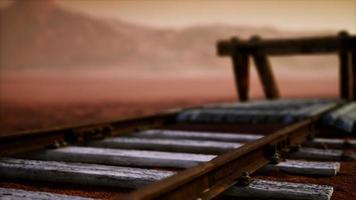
pixel 65 62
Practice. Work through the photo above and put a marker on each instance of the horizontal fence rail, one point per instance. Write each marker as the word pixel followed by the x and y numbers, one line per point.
pixel 312 45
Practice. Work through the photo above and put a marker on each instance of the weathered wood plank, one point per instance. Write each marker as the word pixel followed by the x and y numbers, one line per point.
pixel 181 145
pixel 343 110
pixel 313 45
pixel 305 167
pixel 16 194
pixel 213 115
pixel 346 123
pixel 265 73
pixel 264 189
pixel 330 143
pixel 173 134
pixel 121 157
pixel 241 72
pixel 79 173
pixel 276 104
pixel 318 154
pixel 345 69
pixel 353 75
pixel 308 111
pixel 224 115
pixel 343 118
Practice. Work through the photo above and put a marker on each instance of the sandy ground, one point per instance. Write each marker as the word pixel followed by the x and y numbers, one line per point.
pixel 42 99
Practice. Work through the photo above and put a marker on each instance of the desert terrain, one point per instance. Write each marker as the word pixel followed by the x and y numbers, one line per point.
pixel 33 100
pixel 62 67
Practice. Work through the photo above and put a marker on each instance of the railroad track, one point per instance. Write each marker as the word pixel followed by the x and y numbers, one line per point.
pixel 207 152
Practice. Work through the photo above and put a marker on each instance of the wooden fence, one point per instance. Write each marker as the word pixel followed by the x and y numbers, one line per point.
pixel 344 45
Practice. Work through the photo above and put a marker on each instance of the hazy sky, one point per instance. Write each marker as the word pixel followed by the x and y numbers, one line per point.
pixel 287 14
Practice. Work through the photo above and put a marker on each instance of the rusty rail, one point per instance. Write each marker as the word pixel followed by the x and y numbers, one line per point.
pixel 343 44
pixel 33 140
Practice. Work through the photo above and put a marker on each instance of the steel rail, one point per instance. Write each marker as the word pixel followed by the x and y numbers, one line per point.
pixel 211 179
pixel 37 139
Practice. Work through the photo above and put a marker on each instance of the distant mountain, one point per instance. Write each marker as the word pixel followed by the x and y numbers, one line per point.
pixel 44 34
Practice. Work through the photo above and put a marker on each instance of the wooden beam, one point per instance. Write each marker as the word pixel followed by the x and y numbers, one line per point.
pixel 307 153
pixel 230 116
pixel 265 72
pixel 353 75
pixel 171 145
pixel 312 45
pixel 241 72
pixel 264 189
pixel 330 143
pixel 304 167
pixel 345 69
pixel 120 157
pixel 196 135
pixel 16 194
pixel 79 173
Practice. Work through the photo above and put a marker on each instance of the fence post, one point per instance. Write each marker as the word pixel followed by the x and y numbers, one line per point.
pixel 265 72
pixel 346 81
pixel 241 71
pixel 353 75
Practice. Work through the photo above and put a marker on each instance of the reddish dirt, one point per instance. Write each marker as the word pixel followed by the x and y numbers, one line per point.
pixel 32 100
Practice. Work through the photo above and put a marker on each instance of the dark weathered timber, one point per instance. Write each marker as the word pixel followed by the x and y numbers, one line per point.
pixel 16 194
pixel 343 118
pixel 79 173
pixel 241 73
pixel 305 167
pixel 265 72
pixel 307 112
pixel 264 189
pixel 312 45
pixel 343 110
pixel 197 135
pixel 346 89
pixel 343 44
pixel 39 139
pixel 225 115
pixel 120 157
pixel 276 104
pixel 345 73
pixel 318 154
pixel 172 145
pixel 330 143
pixel 210 179
pixel 353 69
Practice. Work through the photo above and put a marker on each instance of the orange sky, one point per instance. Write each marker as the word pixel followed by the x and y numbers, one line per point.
pixel 286 14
